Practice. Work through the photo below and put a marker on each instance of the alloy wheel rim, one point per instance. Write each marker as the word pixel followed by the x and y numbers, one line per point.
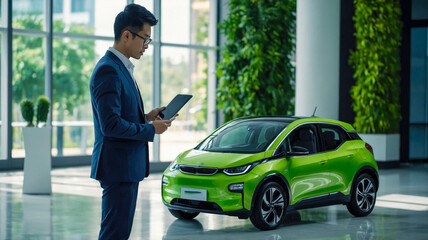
pixel 272 206
pixel 366 194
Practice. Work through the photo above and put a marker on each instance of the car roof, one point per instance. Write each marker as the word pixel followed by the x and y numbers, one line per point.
pixel 270 118
pixel 296 120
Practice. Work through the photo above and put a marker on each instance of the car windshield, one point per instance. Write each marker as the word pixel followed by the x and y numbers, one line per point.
pixel 243 136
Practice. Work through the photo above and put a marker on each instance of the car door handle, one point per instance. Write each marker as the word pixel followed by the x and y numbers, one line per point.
pixel 323 162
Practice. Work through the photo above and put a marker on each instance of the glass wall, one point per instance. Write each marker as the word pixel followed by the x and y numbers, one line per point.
pixel 177 61
pixel 28 80
pixel 418 145
pixel 1 66
pixel 418 129
pixel 2 57
pixel 28 62
pixel 72 113
pixel 147 4
pixel 181 75
pixel 29 14
pixel 184 69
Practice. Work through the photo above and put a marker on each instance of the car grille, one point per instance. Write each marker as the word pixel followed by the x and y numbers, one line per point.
pixel 196 170
pixel 196 204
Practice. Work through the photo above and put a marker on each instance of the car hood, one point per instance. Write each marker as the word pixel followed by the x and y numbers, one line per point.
pixel 217 159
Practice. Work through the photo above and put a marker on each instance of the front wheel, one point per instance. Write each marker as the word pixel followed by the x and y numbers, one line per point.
pixel 182 214
pixel 269 207
pixel 363 196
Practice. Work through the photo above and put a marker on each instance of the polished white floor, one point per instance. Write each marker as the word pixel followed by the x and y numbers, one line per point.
pixel 72 212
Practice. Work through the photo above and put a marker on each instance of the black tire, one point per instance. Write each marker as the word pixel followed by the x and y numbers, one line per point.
pixel 270 205
pixel 182 214
pixel 363 196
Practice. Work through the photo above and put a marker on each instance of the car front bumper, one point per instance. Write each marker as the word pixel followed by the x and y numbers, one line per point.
pixel 219 199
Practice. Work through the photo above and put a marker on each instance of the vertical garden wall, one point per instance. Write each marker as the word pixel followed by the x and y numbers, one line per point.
pixel 256 74
pixel 376 64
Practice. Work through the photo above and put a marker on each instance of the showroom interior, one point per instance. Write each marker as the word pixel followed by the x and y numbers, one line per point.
pixel 50 47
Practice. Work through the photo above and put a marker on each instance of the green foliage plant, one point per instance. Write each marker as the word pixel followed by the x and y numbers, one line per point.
pixel 376 64
pixel 42 110
pixel 27 110
pixel 256 75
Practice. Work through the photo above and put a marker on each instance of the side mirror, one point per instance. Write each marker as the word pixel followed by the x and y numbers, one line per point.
pixel 298 151
pixel 281 154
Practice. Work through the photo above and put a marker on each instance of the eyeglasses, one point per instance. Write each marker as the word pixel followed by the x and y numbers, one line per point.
pixel 146 40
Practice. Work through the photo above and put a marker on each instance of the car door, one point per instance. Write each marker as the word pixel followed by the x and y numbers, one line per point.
pixel 308 177
pixel 340 154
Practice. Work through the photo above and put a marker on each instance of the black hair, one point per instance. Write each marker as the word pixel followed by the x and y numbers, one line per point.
pixel 133 18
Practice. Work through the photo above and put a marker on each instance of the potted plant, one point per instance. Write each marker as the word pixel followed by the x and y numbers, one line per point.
pixel 376 64
pixel 37 143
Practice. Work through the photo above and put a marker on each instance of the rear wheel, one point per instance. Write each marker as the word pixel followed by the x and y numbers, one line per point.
pixel 182 214
pixel 269 207
pixel 363 196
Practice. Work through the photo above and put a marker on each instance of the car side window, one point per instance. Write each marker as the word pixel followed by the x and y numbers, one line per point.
pixel 331 137
pixel 303 137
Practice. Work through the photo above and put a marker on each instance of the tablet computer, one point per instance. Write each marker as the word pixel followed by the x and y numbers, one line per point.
pixel 174 106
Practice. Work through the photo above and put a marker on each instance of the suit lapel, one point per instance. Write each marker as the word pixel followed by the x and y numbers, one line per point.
pixel 130 80
pixel 141 103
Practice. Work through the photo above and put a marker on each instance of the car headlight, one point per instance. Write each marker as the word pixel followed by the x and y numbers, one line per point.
pixel 237 170
pixel 165 180
pixel 173 166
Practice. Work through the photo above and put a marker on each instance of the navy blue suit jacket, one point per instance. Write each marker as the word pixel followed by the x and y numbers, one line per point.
pixel 122 133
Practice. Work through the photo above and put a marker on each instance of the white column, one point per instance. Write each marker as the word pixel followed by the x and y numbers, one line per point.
pixel 212 60
pixel 317 58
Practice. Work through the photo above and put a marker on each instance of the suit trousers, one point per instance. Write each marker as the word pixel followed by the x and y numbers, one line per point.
pixel 118 208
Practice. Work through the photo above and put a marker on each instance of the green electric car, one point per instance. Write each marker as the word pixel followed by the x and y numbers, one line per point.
pixel 261 167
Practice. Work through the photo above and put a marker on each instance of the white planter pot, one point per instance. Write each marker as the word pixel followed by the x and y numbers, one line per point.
pixel 37 164
pixel 386 147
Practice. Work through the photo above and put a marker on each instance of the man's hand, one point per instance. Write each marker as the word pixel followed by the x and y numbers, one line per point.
pixel 162 125
pixel 154 114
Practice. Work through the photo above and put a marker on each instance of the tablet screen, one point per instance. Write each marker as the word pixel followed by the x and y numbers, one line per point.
pixel 174 106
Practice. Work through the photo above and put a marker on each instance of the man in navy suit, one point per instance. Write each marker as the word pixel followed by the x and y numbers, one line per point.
pixel 120 159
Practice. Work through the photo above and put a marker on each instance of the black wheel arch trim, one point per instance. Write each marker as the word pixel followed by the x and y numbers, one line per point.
pixel 280 179
pixel 371 171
